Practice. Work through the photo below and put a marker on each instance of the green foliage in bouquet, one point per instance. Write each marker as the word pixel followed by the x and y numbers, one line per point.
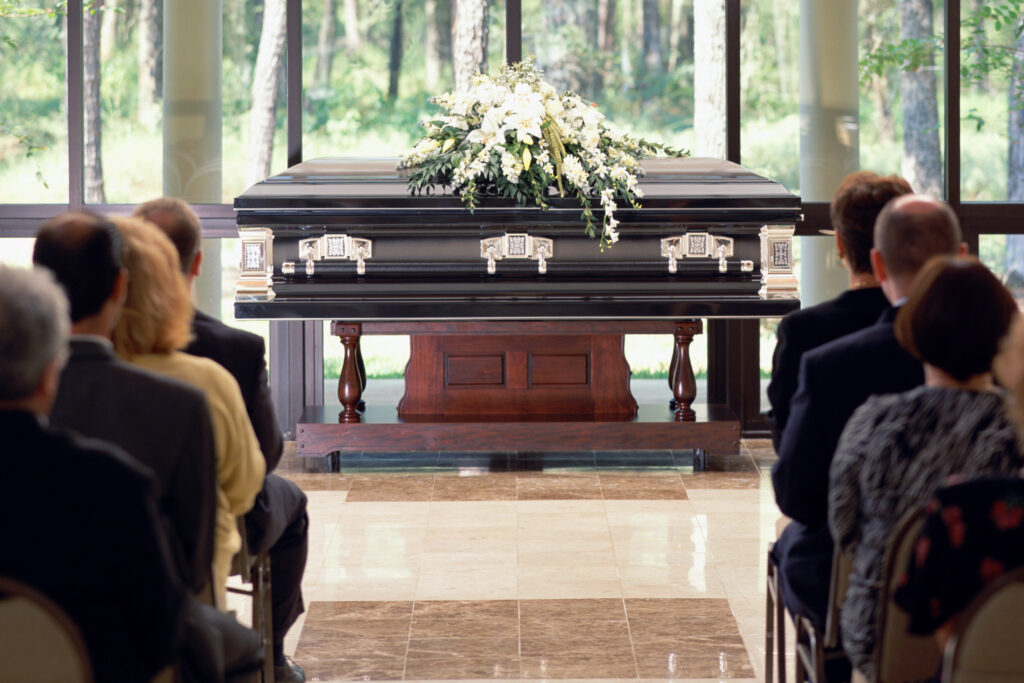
pixel 516 136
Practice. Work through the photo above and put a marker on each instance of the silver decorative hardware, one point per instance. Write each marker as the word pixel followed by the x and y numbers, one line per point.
pixel 332 247
pixel 777 279
pixel 257 263
pixel 517 246
pixel 697 245
pixel 746 266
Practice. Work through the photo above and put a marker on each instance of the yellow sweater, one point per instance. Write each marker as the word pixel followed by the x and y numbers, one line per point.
pixel 240 465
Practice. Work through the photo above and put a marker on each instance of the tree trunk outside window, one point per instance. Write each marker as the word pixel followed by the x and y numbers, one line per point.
pixel 922 160
pixel 395 61
pixel 93 170
pixel 150 40
pixel 325 46
pixel 353 39
pixel 265 85
pixel 469 49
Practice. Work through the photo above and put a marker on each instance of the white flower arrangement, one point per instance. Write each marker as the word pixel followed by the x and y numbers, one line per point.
pixel 515 136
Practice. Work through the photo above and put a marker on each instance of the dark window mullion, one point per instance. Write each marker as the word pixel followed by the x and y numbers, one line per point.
pixel 513 31
pixel 76 115
pixel 293 48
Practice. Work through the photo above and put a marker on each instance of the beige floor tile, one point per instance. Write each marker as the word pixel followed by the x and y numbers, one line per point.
pixel 569 582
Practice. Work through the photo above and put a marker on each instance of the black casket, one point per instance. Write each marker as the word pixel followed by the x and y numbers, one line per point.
pixel 515 314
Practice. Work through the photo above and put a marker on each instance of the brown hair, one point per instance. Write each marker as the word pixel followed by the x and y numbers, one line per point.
pixel 157 316
pixel 955 317
pixel 855 206
pixel 179 222
pixel 913 228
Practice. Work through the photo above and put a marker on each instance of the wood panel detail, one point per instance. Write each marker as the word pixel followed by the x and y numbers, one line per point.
pixel 461 371
pixel 550 368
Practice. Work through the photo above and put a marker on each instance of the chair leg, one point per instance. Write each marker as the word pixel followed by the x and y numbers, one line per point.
pixel 780 631
pixel 769 635
pixel 265 625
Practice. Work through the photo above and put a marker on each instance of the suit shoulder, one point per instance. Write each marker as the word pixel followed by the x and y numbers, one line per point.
pixel 157 387
pixel 99 460
pixel 208 329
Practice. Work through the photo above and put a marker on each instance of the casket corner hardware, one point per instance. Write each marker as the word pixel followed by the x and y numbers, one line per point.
pixel 777 278
pixel 256 268
pixel 517 246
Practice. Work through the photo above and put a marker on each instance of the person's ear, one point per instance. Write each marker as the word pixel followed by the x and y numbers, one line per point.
pixel 197 264
pixel 119 293
pixel 962 251
pixel 839 246
pixel 878 265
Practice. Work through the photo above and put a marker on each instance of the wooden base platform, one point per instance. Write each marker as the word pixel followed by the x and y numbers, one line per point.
pixel 716 429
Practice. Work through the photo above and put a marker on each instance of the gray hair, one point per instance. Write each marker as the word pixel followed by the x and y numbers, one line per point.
pixel 34 329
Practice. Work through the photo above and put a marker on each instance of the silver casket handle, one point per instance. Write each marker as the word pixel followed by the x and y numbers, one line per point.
pixel 697 245
pixel 517 246
pixel 331 247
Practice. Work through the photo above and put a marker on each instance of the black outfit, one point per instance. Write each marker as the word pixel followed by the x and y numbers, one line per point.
pixel 164 424
pixel 80 524
pixel 835 379
pixel 278 522
pixel 809 328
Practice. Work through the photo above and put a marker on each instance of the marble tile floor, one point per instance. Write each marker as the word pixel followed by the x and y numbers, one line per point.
pixel 594 566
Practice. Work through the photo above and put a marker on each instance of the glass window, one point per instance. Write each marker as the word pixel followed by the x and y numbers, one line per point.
pixel 1004 255
pixel 902 77
pixel 16 251
pixel 33 115
pixel 370 68
pixel 636 61
pixel 217 140
pixel 770 89
pixel 991 102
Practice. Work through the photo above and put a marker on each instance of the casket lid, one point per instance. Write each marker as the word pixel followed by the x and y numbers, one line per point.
pixel 344 184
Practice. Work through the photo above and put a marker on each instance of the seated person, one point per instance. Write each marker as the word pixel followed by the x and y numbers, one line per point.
pixel 278 523
pixel 80 517
pixel 974 530
pixel 153 327
pixel 163 423
pixel 897 449
pixel 834 380
pixel 857 202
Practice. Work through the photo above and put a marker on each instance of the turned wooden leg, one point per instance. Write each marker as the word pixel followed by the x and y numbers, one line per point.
pixel 361 406
pixel 684 384
pixel 350 388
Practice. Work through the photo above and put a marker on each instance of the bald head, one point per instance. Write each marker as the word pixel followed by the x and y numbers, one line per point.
pixel 913 228
pixel 86 255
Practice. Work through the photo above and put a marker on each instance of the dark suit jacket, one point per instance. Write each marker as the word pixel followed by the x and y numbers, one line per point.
pixel 242 353
pixel 165 425
pixel 80 524
pixel 835 379
pixel 809 328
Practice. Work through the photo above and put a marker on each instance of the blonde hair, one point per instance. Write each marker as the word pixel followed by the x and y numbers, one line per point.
pixel 157 316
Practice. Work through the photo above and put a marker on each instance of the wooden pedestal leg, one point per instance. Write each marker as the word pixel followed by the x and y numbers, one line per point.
pixel 350 387
pixel 361 406
pixel 684 384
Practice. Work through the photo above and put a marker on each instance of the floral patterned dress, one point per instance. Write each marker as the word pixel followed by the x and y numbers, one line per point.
pixel 973 534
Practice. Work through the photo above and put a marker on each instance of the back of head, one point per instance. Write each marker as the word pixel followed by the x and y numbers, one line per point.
pixel 913 228
pixel 855 207
pixel 85 254
pixel 179 222
pixel 956 316
pixel 157 316
pixel 34 329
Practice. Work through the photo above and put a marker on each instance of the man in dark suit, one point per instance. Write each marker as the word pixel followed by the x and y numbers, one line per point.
pixel 278 522
pixel 80 520
pixel 835 379
pixel 162 423
pixel 855 206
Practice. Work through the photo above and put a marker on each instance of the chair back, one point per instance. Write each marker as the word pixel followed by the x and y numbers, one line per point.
pixel 38 641
pixel 842 567
pixel 899 656
pixel 986 643
pixel 243 561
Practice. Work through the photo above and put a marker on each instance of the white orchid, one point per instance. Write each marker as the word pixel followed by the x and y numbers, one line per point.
pixel 491 130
